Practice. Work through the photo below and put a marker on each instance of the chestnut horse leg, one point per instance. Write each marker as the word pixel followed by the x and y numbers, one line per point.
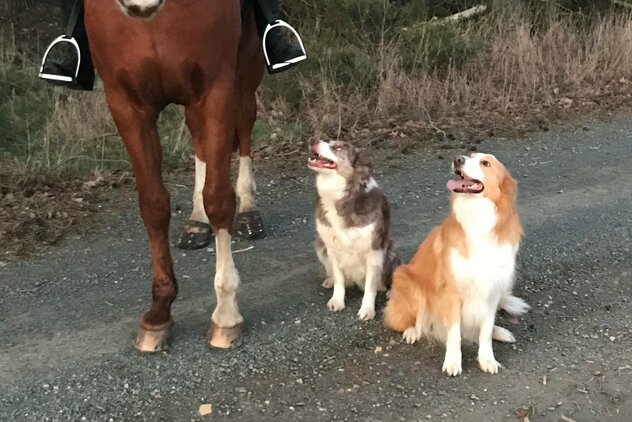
pixel 211 122
pixel 248 224
pixel 197 230
pixel 137 126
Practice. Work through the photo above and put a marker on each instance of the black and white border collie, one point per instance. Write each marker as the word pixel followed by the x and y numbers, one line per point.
pixel 352 224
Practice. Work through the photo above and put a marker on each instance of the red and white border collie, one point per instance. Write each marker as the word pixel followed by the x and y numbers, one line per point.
pixel 464 271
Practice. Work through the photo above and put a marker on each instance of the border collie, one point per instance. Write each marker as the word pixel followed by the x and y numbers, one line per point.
pixel 464 271
pixel 352 224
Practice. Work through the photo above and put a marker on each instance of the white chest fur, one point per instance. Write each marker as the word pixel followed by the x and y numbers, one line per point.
pixel 485 275
pixel 350 247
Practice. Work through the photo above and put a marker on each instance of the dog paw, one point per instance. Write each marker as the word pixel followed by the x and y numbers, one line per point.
pixel 452 367
pixel 328 283
pixel 366 313
pixel 335 304
pixel 488 364
pixel 502 334
pixel 410 335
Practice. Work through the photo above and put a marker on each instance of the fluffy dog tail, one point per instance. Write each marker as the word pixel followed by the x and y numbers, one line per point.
pixel 391 262
pixel 514 305
pixel 404 302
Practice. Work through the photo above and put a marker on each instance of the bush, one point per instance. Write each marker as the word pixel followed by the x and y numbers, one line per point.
pixel 368 60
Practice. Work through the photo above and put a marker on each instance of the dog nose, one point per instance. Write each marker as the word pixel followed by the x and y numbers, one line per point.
pixel 313 141
pixel 459 160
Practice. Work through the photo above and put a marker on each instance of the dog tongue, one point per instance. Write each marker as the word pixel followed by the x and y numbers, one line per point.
pixel 457 184
pixel 464 186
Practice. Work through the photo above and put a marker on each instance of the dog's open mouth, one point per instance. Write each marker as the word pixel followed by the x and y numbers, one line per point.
pixel 318 161
pixel 465 184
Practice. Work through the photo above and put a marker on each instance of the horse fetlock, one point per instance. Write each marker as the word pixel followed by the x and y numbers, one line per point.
pixel 227 315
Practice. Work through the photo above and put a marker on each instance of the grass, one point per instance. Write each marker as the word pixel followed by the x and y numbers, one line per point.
pixel 370 62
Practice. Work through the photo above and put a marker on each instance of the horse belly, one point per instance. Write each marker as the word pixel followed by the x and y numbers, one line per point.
pixel 173 58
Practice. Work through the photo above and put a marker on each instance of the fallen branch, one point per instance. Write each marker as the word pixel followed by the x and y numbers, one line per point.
pixel 469 13
pixel 457 17
pixel 622 3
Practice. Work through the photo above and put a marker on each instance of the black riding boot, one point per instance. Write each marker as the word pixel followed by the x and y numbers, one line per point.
pixel 63 63
pixel 281 55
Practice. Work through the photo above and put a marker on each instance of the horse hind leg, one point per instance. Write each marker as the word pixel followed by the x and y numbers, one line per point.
pixel 248 224
pixel 140 135
pixel 197 230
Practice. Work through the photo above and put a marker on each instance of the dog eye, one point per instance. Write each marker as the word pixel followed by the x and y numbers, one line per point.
pixel 337 148
pixel 486 163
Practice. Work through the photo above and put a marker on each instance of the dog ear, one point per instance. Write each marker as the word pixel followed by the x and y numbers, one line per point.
pixel 509 186
pixel 509 189
pixel 362 164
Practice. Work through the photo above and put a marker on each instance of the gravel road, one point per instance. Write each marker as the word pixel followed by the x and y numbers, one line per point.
pixel 68 317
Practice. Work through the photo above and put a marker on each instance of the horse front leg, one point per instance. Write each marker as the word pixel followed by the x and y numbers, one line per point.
pixel 138 129
pixel 219 203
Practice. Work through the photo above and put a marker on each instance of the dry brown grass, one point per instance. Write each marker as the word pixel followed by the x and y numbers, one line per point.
pixel 396 88
pixel 515 72
pixel 497 67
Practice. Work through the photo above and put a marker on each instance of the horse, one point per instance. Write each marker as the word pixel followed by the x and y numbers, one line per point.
pixel 205 56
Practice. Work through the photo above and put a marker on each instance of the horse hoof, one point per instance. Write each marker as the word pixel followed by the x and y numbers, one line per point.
pixel 249 225
pixel 196 235
pixel 224 338
pixel 152 341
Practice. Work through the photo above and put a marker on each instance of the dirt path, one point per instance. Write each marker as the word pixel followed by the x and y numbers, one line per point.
pixel 67 319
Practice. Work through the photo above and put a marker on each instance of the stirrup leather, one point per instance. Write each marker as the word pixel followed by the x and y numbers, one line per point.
pixel 53 77
pixel 280 23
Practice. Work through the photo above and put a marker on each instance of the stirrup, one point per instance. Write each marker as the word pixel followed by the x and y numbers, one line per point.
pixel 280 23
pixel 62 78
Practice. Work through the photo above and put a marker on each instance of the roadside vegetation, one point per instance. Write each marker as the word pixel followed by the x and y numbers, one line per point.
pixel 386 73
pixel 374 64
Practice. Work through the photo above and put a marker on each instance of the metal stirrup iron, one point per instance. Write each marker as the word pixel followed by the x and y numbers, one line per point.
pixel 282 24
pixel 67 37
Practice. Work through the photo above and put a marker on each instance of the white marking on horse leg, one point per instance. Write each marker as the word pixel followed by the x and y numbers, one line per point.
pixel 198 213
pixel 246 186
pixel 226 313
